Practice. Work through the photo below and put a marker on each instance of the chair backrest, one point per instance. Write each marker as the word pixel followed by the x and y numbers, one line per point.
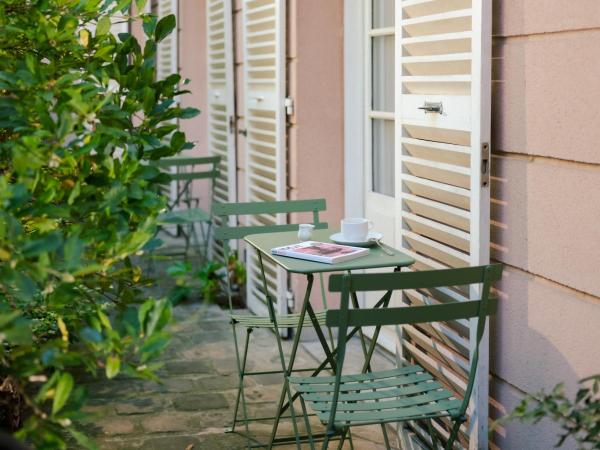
pixel 226 232
pixel 225 210
pixel 478 308
pixel 192 173
pixel 188 169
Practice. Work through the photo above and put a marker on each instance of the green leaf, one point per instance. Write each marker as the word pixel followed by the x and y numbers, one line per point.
pixel 177 141
pixel 104 320
pixel 82 439
pixel 63 390
pixel 113 366
pixel 188 113
pixel 103 26
pixel 154 345
pixel 149 97
pixel 90 335
pixel 123 4
pixel 149 27
pixel 49 243
pixel 164 27
pixel 73 249
pixel 140 5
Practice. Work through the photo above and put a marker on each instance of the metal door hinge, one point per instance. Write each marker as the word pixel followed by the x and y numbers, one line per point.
pixel 289 106
pixel 485 164
pixel 231 125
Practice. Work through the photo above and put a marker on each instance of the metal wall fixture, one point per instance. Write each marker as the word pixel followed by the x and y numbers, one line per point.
pixel 432 108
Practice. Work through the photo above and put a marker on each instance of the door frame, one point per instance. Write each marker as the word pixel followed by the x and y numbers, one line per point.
pixel 354 108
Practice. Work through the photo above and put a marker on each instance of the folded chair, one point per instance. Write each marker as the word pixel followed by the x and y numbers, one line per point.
pixel 272 321
pixel 185 171
pixel 408 392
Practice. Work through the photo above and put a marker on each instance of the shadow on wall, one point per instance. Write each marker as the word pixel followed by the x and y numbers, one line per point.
pixel 516 348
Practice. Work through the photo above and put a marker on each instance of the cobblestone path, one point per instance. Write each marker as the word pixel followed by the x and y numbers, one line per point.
pixel 189 410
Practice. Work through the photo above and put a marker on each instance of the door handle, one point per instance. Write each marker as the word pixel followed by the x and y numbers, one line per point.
pixel 432 107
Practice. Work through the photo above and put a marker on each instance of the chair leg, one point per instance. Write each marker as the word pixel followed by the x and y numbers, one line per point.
pixel 350 439
pixel 187 240
pixel 307 424
pixel 453 433
pixel 325 442
pixel 432 434
pixel 343 439
pixel 386 439
pixel 287 370
pixel 206 243
pixel 240 394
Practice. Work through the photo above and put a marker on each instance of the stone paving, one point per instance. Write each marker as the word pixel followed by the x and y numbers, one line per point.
pixel 194 403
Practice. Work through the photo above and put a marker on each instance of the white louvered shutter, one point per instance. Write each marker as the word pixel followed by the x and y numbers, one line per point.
pixel 443 58
pixel 167 50
pixel 264 97
pixel 221 103
pixel 167 58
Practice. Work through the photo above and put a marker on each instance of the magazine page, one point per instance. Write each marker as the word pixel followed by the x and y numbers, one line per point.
pixel 320 251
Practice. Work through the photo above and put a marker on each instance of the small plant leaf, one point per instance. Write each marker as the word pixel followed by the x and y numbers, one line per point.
pixel 64 386
pixel 113 366
pixel 164 27
pixel 103 26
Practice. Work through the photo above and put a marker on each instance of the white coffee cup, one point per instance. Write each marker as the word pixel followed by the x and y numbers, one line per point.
pixel 356 229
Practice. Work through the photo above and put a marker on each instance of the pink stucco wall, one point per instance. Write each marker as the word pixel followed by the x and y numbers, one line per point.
pixel 316 129
pixel 546 177
pixel 545 204
pixel 192 65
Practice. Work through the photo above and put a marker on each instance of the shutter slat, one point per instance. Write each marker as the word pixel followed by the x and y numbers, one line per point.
pixel 221 108
pixel 264 89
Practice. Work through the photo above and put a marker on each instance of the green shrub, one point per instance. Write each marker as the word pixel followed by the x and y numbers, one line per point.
pixel 578 418
pixel 80 114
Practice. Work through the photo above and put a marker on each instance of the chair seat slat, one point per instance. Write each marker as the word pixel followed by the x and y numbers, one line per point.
pixel 358 377
pixel 375 395
pixel 386 383
pixel 388 404
pixel 444 407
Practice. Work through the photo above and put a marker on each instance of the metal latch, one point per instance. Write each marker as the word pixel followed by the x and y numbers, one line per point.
pixel 485 164
pixel 432 107
pixel 289 106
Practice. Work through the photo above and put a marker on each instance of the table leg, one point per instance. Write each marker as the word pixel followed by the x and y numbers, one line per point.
pixel 330 359
pixel 306 308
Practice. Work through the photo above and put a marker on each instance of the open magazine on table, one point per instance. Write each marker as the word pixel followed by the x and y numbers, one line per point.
pixel 320 252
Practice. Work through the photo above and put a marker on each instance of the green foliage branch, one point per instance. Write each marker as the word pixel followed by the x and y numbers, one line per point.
pixel 81 113
pixel 578 418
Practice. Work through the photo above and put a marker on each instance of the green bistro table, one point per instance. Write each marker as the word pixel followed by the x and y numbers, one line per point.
pixel 377 258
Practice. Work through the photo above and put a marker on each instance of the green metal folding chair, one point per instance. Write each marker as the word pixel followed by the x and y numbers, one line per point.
pixel 274 322
pixel 408 392
pixel 186 171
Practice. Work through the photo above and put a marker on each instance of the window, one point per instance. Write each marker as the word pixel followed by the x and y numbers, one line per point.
pixel 381 104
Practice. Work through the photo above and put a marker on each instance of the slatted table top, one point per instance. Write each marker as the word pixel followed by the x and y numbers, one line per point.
pixel 375 259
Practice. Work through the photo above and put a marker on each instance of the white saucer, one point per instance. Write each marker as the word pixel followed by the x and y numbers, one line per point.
pixel 339 238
